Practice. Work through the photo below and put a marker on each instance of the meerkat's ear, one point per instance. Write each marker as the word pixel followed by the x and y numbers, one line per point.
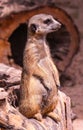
pixel 33 28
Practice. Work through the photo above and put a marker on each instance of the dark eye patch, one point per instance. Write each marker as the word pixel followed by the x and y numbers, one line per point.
pixel 48 21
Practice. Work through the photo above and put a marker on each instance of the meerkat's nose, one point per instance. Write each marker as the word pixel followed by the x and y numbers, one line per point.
pixel 58 24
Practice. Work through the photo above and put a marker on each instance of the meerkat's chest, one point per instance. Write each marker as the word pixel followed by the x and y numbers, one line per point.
pixel 42 51
pixel 37 49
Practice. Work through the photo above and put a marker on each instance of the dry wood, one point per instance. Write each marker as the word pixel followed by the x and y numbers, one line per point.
pixel 14 13
pixel 12 119
pixel 62 54
pixel 63 44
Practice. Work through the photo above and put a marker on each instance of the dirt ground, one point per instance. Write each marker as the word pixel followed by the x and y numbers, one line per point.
pixel 74 87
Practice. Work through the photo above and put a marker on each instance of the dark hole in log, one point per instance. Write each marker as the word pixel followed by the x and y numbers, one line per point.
pixel 58 42
pixel 18 41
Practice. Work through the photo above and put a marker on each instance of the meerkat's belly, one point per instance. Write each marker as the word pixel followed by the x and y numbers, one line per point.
pixel 34 101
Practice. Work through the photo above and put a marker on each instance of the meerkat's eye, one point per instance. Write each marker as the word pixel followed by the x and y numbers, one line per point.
pixel 48 21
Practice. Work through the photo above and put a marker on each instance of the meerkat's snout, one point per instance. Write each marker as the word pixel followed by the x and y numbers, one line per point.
pixel 56 24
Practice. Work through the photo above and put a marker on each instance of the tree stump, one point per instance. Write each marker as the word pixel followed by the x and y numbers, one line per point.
pixel 63 44
pixel 12 119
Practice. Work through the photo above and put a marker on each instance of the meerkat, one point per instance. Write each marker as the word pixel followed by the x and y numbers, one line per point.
pixel 40 78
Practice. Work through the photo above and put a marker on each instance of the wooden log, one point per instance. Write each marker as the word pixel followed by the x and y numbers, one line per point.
pixel 12 119
pixel 63 44
pixel 5 51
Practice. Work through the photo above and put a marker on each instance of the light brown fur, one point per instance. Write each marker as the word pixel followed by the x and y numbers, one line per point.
pixel 39 94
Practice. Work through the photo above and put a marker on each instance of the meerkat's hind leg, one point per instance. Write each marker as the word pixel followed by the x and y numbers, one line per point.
pixel 54 116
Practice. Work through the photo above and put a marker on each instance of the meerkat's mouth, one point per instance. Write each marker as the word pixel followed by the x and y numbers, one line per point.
pixel 55 29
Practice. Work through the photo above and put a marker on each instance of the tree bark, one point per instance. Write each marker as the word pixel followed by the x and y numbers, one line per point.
pixel 12 119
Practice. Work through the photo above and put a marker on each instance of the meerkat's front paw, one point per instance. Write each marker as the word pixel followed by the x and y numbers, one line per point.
pixel 38 116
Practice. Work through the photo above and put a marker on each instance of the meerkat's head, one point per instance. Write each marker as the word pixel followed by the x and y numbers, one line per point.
pixel 43 24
